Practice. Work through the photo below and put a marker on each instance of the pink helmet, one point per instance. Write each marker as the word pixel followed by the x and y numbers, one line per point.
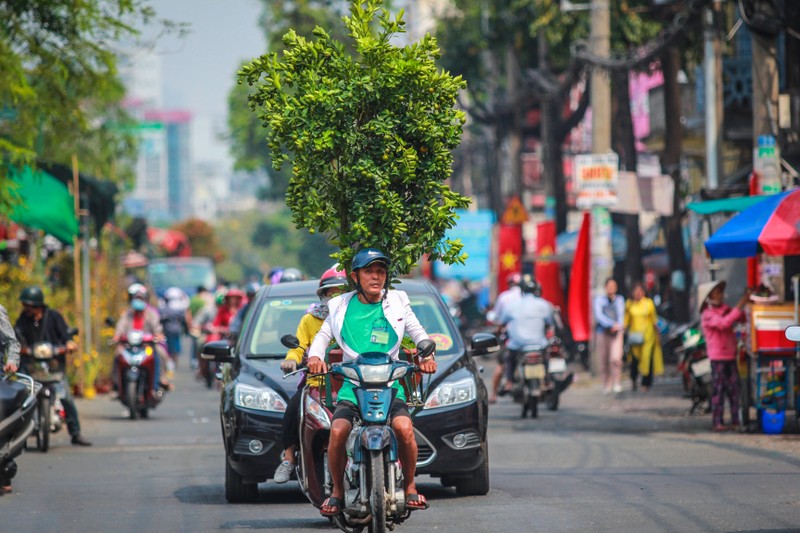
pixel 333 277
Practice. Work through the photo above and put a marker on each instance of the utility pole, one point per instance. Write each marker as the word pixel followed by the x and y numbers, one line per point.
pixel 600 42
pixel 712 73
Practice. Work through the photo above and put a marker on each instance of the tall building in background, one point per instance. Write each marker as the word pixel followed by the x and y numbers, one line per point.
pixel 163 188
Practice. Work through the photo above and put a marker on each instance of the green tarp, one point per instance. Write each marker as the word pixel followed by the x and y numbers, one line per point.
pixel 46 204
pixel 725 205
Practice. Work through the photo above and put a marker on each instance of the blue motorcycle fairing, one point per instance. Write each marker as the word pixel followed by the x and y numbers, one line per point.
pixel 375 438
pixel 375 404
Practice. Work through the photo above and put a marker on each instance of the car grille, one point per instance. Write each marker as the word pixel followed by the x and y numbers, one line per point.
pixel 426 453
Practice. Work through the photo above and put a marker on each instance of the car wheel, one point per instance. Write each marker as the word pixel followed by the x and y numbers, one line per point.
pixel 236 490
pixel 477 484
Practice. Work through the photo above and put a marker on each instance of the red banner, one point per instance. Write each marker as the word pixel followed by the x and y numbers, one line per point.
pixel 546 271
pixel 579 284
pixel 509 253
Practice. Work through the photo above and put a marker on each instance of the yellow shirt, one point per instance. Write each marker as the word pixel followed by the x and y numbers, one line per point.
pixel 307 329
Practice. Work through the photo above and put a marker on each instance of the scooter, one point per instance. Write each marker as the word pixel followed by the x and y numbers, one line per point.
pixel 41 362
pixel 18 401
pixel 373 480
pixel 135 365
pixel 695 369
pixel 540 375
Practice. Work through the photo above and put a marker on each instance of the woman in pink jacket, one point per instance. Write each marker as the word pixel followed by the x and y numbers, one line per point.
pixel 717 320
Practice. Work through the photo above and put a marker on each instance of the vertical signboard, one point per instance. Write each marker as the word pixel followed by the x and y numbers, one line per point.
pixel 596 180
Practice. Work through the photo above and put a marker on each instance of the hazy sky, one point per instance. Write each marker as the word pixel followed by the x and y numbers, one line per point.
pixel 198 71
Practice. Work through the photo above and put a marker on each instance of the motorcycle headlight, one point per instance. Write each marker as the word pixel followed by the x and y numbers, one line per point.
pixel 452 393
pixel 375 373
pixel 316 410
pixel 261 398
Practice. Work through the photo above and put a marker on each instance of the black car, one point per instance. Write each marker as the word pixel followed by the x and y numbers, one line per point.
pixel 450 428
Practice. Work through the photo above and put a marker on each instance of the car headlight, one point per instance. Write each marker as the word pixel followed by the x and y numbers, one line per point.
pixel 452 393
pixel 261 398
pixel 315 409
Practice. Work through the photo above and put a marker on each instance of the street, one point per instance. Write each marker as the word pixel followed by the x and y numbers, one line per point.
pixel 635 462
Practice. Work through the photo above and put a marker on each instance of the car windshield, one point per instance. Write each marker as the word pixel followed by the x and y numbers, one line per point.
pixel 280 316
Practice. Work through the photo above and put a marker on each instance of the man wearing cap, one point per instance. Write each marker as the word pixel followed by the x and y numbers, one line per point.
pixel 717 320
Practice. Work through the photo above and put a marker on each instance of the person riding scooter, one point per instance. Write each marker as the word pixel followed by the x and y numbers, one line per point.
pixel 369 319
pixel 39 323
pixel 143 317
pixel 526 324
pixel 10 346
pixel 333 282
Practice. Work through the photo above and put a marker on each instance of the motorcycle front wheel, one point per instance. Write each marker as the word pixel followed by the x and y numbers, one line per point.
pixel 377 495
pixel 132 398
pixel 43 437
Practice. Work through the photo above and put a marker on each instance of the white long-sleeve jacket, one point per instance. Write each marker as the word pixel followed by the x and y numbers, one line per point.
pixel 396 309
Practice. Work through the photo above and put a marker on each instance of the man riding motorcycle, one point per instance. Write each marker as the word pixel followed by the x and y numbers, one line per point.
pixel 10 346
pixel 143 317
pixel 39 323
pixel 370 318
pixel 526 323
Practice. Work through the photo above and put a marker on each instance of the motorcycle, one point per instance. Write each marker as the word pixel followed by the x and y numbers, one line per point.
pixel 18 400
pixel 541 375
pixel 373 480
pixel 135 364
pixel 41 362
pixel 209 369
pixel 695 369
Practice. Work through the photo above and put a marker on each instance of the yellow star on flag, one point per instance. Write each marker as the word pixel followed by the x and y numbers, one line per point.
pixel 509 260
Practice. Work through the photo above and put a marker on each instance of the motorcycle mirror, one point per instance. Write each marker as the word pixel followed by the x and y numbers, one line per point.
pixel 71 332
pixel 110 322
pixel 793 333
pixel 290 341
pixel 219 351
pixel 425 348
pixel 484 343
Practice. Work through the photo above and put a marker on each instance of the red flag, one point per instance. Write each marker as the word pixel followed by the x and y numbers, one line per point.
pixel 546 271
pixel 579 283
pixel 509 253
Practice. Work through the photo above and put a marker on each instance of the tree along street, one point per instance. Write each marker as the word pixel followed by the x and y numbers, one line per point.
pixel 600 463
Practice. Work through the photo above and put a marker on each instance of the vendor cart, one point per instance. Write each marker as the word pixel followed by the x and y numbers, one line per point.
pixel 770 373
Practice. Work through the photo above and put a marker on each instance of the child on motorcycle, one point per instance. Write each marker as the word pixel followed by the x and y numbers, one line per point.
pixel 333 282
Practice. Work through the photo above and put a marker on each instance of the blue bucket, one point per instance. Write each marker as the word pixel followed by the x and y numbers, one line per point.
pixel 772 421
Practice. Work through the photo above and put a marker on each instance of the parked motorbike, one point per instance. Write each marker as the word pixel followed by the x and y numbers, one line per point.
pixel 18 400
pixel 209 369
pixel 540 375
pixel 695 369
pixel 41 362
pixel 373 480
pixel 136 373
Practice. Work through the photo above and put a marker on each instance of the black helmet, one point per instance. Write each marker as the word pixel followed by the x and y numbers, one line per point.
pixel 291 274
pixel 528 284
pixel 32 296
pixel 367 256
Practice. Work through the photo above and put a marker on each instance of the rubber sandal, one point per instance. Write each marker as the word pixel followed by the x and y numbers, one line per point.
pixel 333 502
pixel 416 502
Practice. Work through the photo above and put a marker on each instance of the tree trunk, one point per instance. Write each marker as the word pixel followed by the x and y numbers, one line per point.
pixel 624 144
pixel 670 162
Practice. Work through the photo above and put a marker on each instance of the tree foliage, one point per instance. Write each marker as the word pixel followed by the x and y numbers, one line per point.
pixel 369 135
pixel 60 93
pixel 202 238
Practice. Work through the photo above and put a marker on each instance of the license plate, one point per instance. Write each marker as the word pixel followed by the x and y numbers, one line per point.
pixel 534 371
pixel 557 365
pixel 701 368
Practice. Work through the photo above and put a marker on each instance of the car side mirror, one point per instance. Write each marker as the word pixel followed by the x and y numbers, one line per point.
pixel 290 341
pixel 793 333
pixel 219 351
pixel 484 343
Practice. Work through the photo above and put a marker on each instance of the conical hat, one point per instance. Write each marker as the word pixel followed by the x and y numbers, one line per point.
pixel 704 289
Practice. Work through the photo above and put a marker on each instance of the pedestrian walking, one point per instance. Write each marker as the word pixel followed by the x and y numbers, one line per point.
pixel 609 314
pixel 641 323
pixel 717 320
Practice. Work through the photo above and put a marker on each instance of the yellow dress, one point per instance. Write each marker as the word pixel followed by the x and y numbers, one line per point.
pixel 641 317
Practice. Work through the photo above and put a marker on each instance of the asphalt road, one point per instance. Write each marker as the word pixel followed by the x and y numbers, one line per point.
pixel 635 462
